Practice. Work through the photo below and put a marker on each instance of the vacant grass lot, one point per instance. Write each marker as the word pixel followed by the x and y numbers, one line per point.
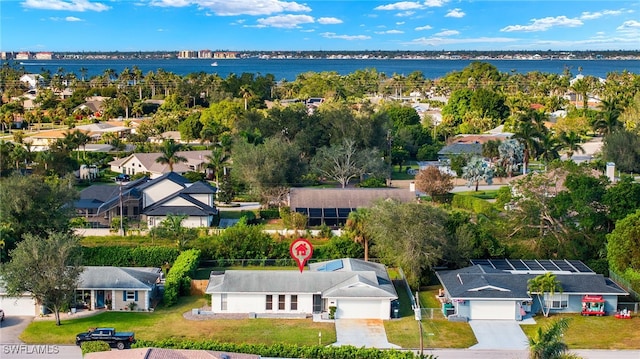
pixel 169 323
pixel 594 332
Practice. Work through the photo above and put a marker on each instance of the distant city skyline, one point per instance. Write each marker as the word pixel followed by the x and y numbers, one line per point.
pixel 268 25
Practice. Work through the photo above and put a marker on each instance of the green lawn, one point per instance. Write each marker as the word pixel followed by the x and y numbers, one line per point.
pixel 169 323
pixel 594 332
pixel 490 194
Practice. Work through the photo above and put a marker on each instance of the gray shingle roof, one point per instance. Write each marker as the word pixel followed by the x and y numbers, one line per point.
pixel 200 187
pixel 480 281
pixel 110 278
pixel 345 197
pixel 148 160
pixel 198 209
pixel 461 149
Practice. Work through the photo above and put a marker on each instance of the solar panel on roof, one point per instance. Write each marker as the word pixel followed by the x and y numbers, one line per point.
pixel 533 265
pixel 547 265
pixel 331 266
pixel 502 264
pixel 581 267
pixel 484 262
pixel 564 266
pixel 517 264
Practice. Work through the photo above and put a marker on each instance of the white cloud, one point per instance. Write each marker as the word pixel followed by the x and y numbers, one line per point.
pixel 405 13
pixel 447 33
pixel 66 5
pixel 411 5
pixel 389 32
pixel 287 21
pixel 333 35
pixel 630 25
pixel 544 24
pixel 598 14
pixel 439 41
pixel 422 28
pixel 458 13
pixel 400 23
pixel 237 7
pixel 329 21
pixel 73 19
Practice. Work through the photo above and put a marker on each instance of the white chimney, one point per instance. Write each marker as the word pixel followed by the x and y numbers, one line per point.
pixel 611 172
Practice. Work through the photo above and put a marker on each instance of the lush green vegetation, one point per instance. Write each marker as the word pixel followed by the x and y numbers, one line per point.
pixel 144 256
pixel 178 281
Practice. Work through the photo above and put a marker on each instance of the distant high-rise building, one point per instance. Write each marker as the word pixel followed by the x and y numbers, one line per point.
pixel 225 55
pixel 205 54
pixel 23 56
pixel 44 56
pixel 187 54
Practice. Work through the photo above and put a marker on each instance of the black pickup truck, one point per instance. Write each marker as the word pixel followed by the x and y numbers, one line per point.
pixel 119 340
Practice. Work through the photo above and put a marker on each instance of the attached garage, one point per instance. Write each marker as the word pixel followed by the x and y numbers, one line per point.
pixel 359 309
pixel 20 307
pixel 492 309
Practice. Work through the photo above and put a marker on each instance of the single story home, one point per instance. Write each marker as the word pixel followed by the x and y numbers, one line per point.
pixel 331 206
pixel 116 287
pixel 498 288
pixel 146 163
pixel 22 306
pixel 352 287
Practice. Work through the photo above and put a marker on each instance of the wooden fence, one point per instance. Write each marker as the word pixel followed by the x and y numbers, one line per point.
pixel 198 286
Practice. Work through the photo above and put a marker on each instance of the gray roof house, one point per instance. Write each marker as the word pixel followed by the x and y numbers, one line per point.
pixel 150 200
pixel 116 287
pixel 498 288
pixel 331 206
pixel 355 288
pixel 146 163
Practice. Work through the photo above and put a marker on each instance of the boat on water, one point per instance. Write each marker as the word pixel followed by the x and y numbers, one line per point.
pixel 214 64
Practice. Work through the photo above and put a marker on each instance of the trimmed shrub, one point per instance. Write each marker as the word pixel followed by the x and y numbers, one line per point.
pixel 271 213
pixel 473 204
pixel 95 346
pixel 178 280
pixel 120 256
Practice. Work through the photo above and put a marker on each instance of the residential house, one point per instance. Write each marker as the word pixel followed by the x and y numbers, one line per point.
pixel 116 287
pixel 146 163
pixel 93 104
pixel 97 130
pixel 498 288
pixel 331 206
pixel 150 201
pixel 469 145
pixel 352 287
pixel 32 80
pixel 22 306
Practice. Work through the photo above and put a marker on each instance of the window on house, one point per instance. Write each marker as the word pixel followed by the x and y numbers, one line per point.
pixel 131 295
pixel 294 302
pixel 136 211
pixel 269 302
pixel 556 301
pixel 281 302
pixel 223 301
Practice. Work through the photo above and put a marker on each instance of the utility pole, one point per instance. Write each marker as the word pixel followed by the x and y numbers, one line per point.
pixel 121 211
pixel 418 315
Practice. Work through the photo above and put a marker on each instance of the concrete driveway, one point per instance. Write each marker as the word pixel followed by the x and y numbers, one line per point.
pixel 368 333
pixel 498 334
pixel 12 327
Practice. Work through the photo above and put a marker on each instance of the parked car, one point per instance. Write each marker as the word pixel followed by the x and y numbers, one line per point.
pixel 122 177
pixel 120 340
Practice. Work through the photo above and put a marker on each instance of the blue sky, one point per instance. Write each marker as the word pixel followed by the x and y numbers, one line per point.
pixel 237 25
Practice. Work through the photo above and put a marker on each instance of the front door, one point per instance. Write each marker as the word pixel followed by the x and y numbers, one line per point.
pixel 100 299
pixel 317 303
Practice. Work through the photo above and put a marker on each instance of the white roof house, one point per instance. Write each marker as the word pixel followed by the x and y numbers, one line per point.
pixel 357 289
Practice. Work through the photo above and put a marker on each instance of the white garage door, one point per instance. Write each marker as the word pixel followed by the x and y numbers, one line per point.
pixel 358 309
pixel 493 309
pixel 22 306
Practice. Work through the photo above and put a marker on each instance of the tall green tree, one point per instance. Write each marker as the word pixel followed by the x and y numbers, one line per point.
pixel 476 170
pixel 169 154
pixel 409 235
pixel 544 284
pixel 47 267
pixel 356 229
pixel 623 244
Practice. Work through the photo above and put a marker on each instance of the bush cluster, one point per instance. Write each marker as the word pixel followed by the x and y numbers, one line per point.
pixel 120 256
pixel 280 350
pixel 178 280
pixel 470 203
pixel 95 346
pixel 271 213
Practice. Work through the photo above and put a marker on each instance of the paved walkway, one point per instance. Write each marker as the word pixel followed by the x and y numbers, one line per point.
pixel 79 314
pixel 499 334
pixel 368 333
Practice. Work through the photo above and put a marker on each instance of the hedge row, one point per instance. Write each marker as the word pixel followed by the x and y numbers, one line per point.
pixel 94 347
pixel 281 350
pixel 471 203
pixel 120 256
pixel 179 277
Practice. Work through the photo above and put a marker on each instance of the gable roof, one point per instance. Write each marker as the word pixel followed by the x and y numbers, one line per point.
pixel 199 187
pixel 148 161
pixel 461 148
pixel 345 197
pixel 130 278
pixel 481 281
pixel 347 282
pixel 198 209
pixel 171 176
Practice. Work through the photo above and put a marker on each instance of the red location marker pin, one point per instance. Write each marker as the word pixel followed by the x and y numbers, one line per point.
pixel 301 250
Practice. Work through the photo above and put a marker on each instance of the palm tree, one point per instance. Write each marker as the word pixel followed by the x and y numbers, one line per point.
pixel 550 147
pixel 170 155
pixel 607 122
pixel 246 93
pixel 547 343
pixel 543 284
pixel 571 143
pixel 218 158
pixel 528 131
pixel 356 227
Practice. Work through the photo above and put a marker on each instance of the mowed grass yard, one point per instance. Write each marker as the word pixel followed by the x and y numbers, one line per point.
pixel 170 323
